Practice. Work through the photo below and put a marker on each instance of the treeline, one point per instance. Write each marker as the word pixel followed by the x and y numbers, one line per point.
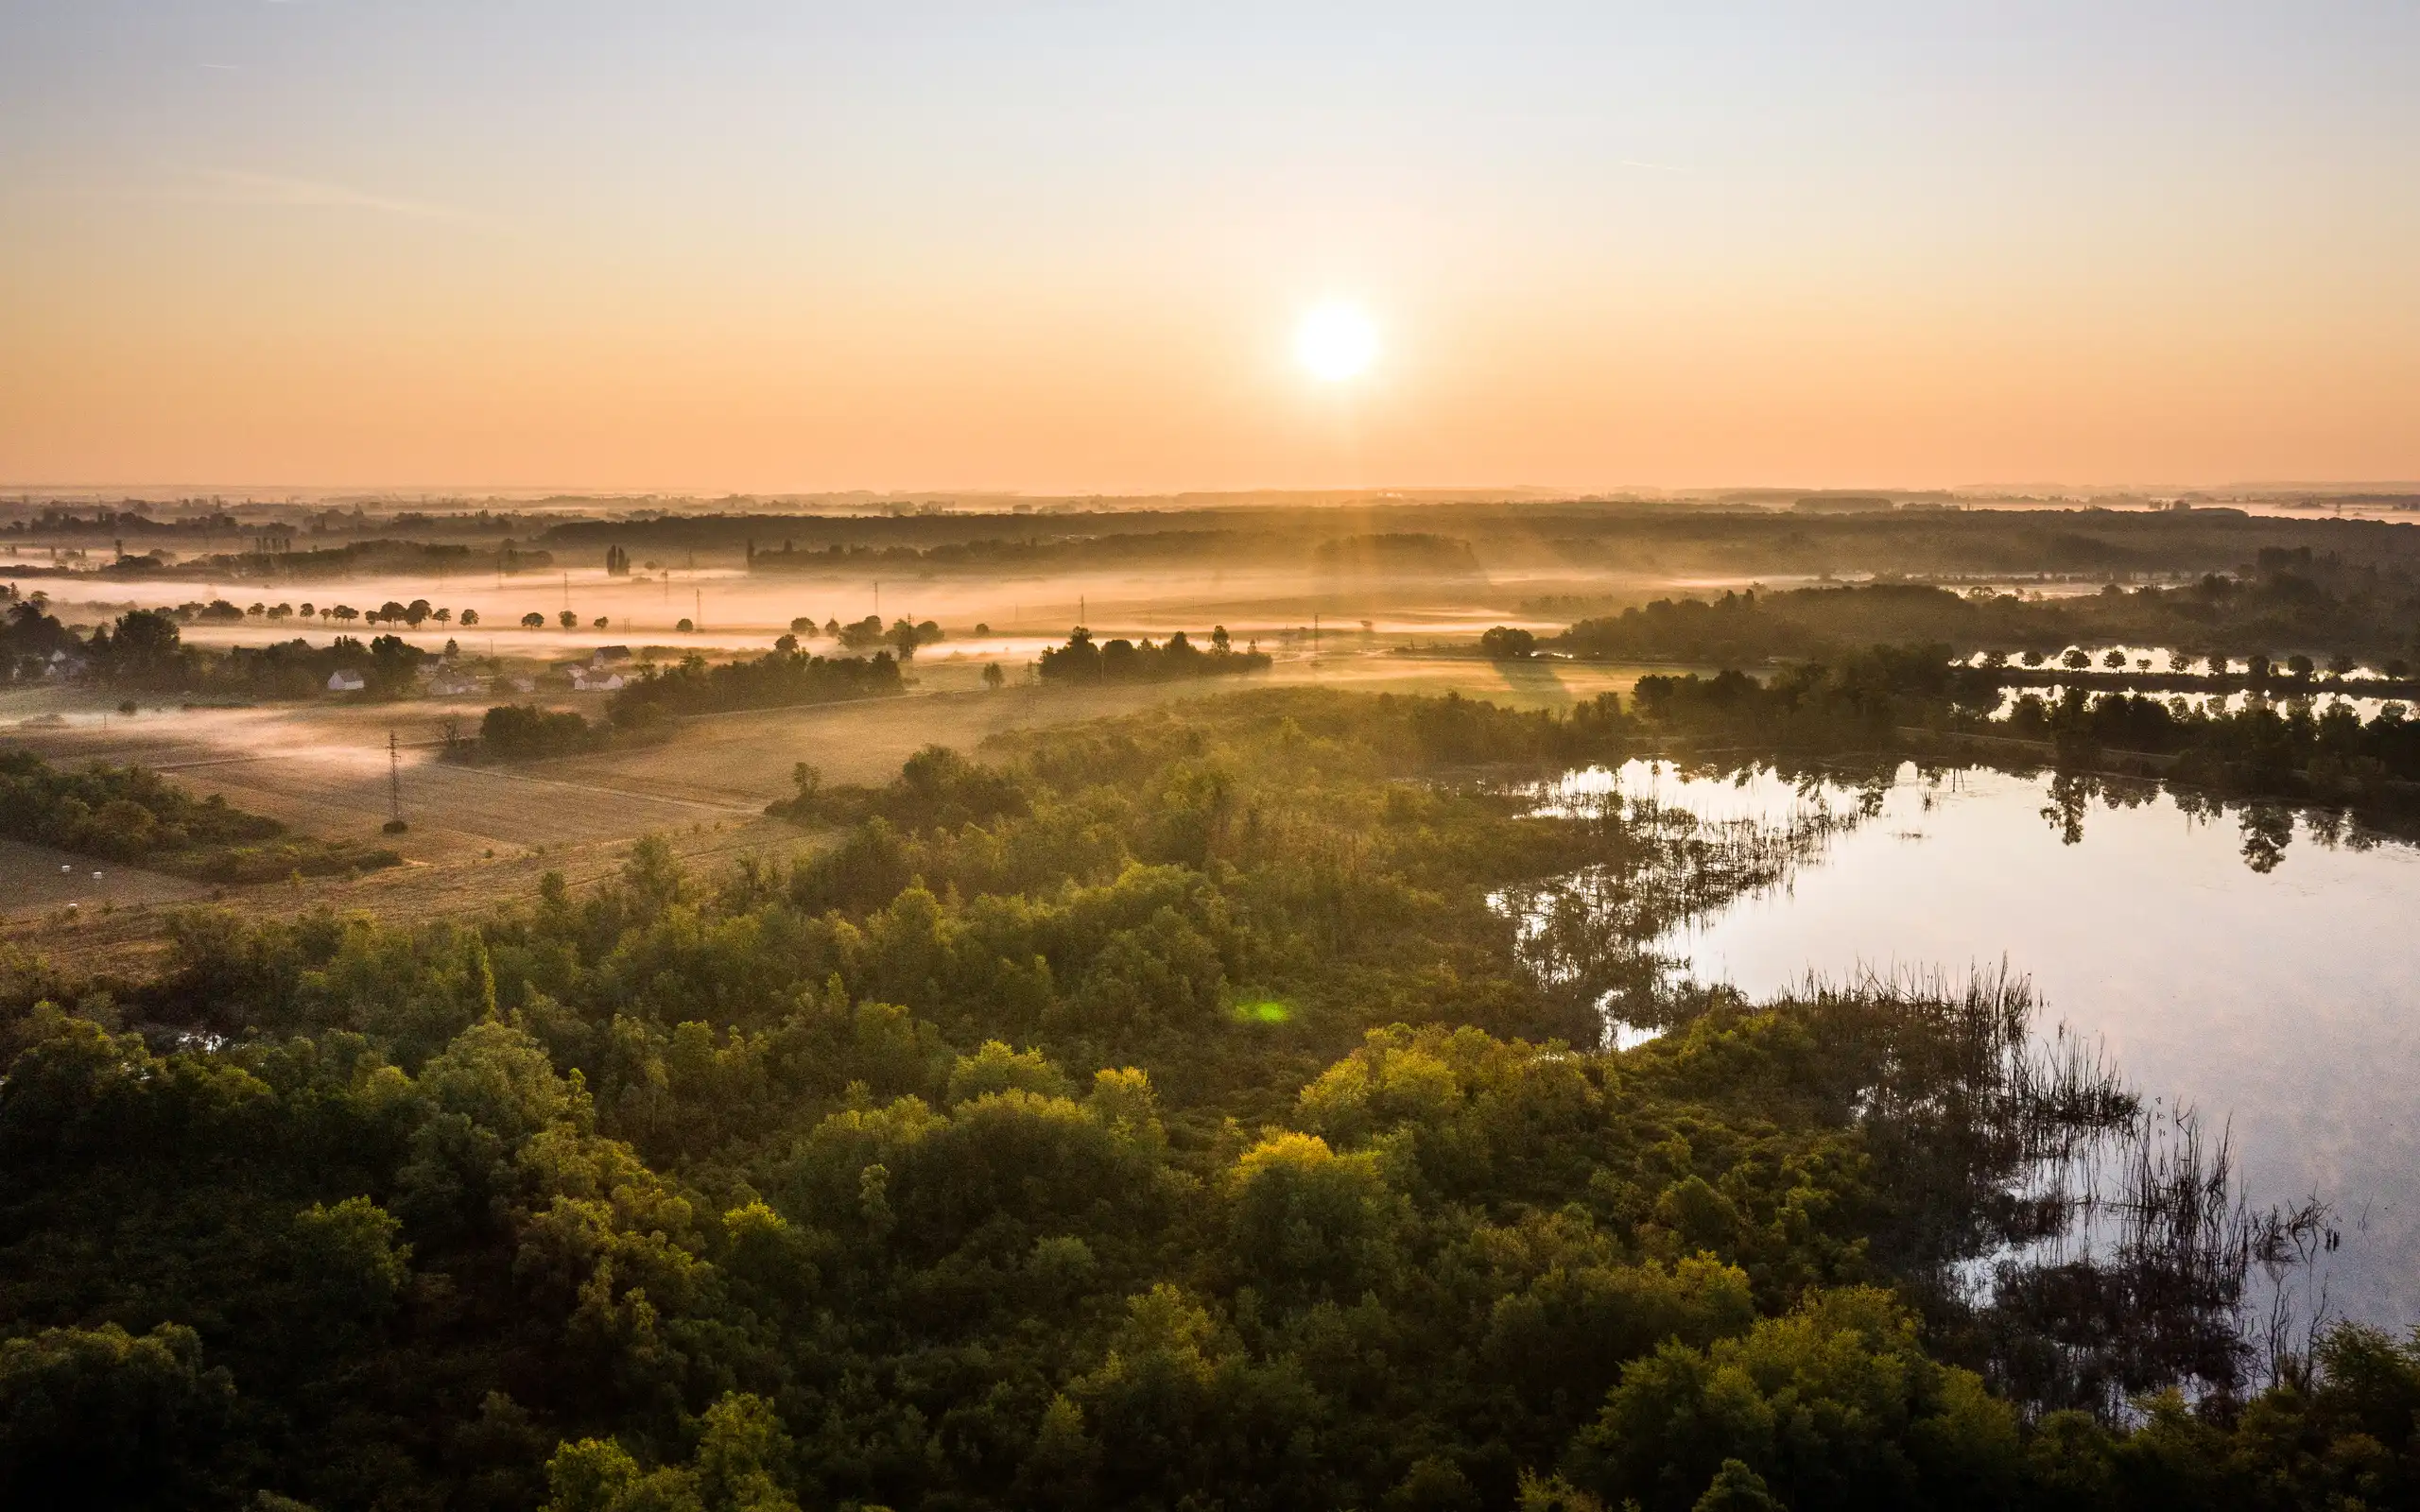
pixel 1729 536
pixel 351 559
pixel 1809 707
pixel 778 679
pixel 134 816
pixel 1414 552
pixel 998 553
pixel 1193 1132
pixel 2289 603
pixel 143 651
pixel 1120 659
pixel 2094 543
pixel 2287 749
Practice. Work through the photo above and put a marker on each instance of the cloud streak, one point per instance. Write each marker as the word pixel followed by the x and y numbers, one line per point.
pixel 237 187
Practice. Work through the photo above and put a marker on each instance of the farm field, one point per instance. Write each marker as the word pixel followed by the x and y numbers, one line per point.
pixel 482 834
pixel 37 877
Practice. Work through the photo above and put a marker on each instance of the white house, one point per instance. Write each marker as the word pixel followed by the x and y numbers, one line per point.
pixel 343 681
pixel 583 680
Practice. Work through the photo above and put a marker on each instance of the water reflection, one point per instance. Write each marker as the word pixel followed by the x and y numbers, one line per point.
pixel 2250 960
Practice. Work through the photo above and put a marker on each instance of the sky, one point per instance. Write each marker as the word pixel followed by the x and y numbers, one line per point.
pixel 711 248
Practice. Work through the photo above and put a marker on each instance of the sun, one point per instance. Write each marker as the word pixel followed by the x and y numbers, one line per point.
pixel 1335 342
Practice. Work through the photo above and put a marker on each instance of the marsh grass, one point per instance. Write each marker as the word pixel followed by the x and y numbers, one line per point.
pixel 2078 1244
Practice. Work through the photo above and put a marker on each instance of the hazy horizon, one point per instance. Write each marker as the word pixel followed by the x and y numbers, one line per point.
pixel 263 492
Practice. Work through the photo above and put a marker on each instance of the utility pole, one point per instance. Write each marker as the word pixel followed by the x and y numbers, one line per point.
pixel 394 782
pixel 698 608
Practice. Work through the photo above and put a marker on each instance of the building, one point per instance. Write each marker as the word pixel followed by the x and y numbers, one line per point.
pixel 343 681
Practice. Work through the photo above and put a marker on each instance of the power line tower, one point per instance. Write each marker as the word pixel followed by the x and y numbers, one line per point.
pixel 394 784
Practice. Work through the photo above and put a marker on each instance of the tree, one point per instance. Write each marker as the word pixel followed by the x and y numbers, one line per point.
pixel 345 613
pixel 533 621
pixel 145 649
pixel 992 676
pixel 600 622
pixel 1505 642
pixel 108 1418
pixel 568 620
pixel 469 618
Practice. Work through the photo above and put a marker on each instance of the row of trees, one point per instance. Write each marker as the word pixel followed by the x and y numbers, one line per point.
pixel 2339 616
pixel 2288 748
pixel 1120 659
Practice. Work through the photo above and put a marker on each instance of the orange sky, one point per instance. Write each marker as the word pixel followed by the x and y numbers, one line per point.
pixel 740 248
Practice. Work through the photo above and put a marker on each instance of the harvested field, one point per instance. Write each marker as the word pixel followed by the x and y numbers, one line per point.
pixel 37 877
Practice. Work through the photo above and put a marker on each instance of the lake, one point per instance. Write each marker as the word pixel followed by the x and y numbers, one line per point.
pixel 2260 967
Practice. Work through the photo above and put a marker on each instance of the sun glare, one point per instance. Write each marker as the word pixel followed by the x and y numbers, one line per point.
pixel 1336 341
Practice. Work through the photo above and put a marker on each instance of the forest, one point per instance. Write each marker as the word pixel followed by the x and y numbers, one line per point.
pixel 1171 1111
pixel 2289 602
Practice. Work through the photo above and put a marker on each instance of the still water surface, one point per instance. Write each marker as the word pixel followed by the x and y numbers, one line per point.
pixel 2282 1005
